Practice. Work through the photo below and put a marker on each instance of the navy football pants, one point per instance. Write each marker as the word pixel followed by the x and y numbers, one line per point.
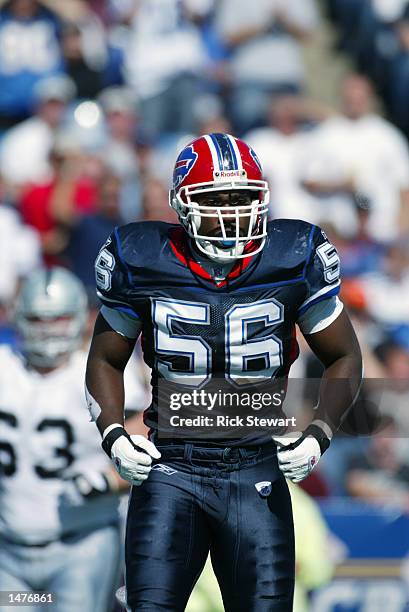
pixel 200 499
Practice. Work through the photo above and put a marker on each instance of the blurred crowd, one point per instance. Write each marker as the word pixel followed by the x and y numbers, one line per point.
pixel 97 96
pixel 376 34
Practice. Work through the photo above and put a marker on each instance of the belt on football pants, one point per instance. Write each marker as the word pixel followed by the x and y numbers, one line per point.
pixel 228 455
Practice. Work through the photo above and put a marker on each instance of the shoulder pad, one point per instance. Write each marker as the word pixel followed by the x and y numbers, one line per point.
pixel 128 249
pixel 323 271
pixel 139 244
pixel 288 244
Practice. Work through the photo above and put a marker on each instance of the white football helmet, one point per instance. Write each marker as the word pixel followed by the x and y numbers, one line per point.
pixel 50 315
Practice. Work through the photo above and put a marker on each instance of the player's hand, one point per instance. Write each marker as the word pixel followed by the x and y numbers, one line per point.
pixel 131 455
pixel 298 453
pixel 88 486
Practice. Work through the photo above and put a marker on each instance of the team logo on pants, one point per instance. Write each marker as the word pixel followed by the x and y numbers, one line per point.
pixel 160 467
pixel 263 488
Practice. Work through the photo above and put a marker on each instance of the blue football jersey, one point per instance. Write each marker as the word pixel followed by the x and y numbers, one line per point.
pixel 195 329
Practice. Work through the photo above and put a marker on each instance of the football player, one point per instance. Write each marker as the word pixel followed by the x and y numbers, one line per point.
pixel 219 295
pixel 59 519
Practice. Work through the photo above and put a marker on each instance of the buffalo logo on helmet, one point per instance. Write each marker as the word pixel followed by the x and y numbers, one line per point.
pixel 184 165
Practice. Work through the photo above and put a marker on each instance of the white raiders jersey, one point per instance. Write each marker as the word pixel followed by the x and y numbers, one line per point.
pixel 45 437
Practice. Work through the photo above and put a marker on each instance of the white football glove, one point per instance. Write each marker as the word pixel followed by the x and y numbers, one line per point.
pixel 88 486
pixel 298 453
pixel 131 455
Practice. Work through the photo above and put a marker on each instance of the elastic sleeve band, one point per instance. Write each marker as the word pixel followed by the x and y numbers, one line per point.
pixel 319 316
pixel 124 324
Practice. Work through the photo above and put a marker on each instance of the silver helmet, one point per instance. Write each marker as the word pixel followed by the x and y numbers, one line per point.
pixel 50 315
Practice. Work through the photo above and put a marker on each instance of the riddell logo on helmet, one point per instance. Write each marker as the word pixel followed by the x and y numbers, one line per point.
pixel 229 173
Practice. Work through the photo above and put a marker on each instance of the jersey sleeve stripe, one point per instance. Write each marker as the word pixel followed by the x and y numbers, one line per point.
pixel 128 311
pixel 322 294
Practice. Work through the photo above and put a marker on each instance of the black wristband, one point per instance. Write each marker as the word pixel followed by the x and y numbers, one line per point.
pixel 319 435
pixel 111 437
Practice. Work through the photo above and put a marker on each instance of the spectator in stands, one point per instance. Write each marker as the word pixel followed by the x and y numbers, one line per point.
pixel 361 254
pixel 264 38
pixel 375 44
pixel 88 56
pixel 283 146
pixel 156 201
pixel 346 14
pixel 90 231
pixel 121 149
pixel 25 150
pixel 380 476
pixel 393 353
pixel 376 34
pixel 393 394
pixel 164 59
pixel 164 153
pixel 399 73
pixel 360 152
pixel 20 252
pixel 52 206
pixel 87 76
pixel 29 51
pixel 210 116
pixel 387 289
pixel 118 16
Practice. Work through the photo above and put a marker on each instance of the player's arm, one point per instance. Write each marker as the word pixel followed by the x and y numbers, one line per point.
pixel 337 348
pixel 89 485
pixel 109 353
pixel 116 331
pixel 329 333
